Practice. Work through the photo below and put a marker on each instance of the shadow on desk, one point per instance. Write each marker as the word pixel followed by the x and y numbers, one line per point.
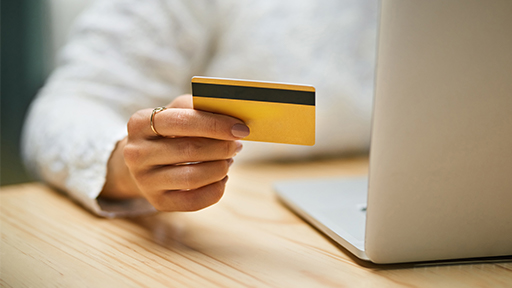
pixel 170 231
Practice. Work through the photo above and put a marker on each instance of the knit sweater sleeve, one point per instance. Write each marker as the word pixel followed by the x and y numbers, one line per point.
pixel 118 60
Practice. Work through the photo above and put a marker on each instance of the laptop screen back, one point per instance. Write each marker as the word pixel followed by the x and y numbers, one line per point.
pixel 440 182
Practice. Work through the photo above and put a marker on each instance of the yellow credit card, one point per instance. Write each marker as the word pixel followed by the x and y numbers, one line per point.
pixel 275 112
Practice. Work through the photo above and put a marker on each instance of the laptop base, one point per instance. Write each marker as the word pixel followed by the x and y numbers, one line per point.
pixel 337 207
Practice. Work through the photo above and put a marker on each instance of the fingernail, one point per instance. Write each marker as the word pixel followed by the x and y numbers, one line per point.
pixel 240 130
pixel 239 147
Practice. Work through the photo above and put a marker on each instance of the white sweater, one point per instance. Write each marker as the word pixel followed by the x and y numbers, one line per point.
pixel 126 55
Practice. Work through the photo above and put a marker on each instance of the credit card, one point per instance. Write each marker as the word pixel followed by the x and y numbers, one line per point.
pixel 275 112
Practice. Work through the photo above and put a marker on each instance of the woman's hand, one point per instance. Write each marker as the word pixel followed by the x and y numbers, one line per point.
pixel 183 171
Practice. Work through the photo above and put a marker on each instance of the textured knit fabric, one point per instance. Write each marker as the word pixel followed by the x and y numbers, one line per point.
pixel 126 55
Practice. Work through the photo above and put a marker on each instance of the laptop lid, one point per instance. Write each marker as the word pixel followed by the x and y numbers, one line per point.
pixel 440 178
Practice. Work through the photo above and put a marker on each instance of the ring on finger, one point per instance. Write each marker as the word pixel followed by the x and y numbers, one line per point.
pixel 152 121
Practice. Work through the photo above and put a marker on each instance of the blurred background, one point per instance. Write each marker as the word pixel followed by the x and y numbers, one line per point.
pixel 32 31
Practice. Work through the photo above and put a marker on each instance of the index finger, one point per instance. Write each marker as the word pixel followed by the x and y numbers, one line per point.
pixel 177 122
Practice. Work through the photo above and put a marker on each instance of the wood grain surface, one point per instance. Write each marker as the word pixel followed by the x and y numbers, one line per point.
pixel 248 239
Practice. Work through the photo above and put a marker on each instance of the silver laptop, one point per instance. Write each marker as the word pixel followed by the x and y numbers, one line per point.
pixel 440 177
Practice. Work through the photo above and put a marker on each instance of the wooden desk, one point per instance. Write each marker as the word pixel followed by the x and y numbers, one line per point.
pixel 248 239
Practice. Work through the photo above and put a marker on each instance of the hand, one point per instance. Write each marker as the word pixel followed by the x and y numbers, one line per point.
pixel 159 169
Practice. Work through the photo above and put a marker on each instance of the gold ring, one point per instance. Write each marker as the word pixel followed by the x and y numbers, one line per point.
pixel 152 123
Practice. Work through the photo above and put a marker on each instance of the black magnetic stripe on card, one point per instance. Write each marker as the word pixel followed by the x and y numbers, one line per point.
pixel 253 94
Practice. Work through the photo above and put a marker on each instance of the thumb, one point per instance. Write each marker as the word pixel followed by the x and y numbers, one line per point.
pixel 183 101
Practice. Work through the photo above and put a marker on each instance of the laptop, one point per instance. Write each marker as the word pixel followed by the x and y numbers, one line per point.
pixel 440 173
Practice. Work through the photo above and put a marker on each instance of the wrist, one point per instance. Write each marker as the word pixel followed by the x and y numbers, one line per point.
pixel 119 182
